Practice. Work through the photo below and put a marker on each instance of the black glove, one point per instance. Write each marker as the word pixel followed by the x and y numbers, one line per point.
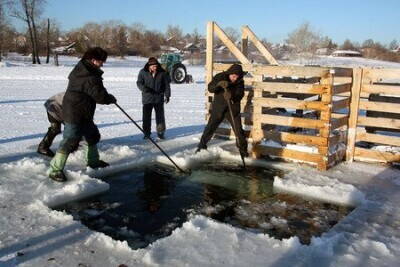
pixel 111 99
pixel 166 100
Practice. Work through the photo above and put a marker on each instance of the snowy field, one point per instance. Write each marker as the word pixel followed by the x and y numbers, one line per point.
pixel 32 234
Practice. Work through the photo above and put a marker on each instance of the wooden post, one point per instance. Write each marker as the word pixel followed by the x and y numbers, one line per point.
pixel 353 117
pixel 326 115
pixel 210 52
pixel 256 133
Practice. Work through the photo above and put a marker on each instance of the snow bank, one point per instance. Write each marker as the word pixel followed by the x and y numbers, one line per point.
pixel 302 182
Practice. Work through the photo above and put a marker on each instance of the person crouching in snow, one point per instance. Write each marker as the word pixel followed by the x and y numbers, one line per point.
pixel 85 89
pixel 154 82
pixel 227 86
pixel 54 115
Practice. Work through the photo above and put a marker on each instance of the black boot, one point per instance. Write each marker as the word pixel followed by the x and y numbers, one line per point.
pixel 161 135
pixel 99 164
pixel 58 176
pixel 44 146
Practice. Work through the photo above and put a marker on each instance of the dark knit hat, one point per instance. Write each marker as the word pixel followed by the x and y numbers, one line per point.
pixel 97 53
pixel 152 61
pixel 235 69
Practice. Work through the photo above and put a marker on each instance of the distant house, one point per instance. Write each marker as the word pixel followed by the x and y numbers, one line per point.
pixel 346 53
pixel 192 48
pixel 322 51
pixel 169 49
pixel 67 49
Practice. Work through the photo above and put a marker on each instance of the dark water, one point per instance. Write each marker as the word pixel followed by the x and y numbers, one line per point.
pixel 145 205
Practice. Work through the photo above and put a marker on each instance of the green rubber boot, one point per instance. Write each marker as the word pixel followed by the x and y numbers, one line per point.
pixel 57 166
pixel 93 158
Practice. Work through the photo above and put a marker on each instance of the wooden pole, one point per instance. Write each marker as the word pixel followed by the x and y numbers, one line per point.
pixel 210 52
pixel 355 102
pixel 326 116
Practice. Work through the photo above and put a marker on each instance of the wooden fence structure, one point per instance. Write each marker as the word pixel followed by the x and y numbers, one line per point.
pixel 375 116
pixel 306 114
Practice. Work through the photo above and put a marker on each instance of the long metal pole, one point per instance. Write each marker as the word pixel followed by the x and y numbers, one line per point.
pixel 151 139
pixel 235 131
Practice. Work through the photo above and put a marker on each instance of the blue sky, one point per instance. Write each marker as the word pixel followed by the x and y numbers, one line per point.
pixel 354 19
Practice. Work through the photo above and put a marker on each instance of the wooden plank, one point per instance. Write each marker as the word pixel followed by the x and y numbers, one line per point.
pixel 378 138
pixel 224 67
pixel 342 80
pixel 380 89
pixel 230 45
pixel 339 122
pixel 290 71
pixel 301 88
pixel 340 104
pixel 353 115
pixel 295 138
pixel 290 103
pixel 263 50
pixel 376 75
pixel 291 121
pixel 379 122
pixel 341 88
pixel 209 51
pixel 289 154
pixel 363 154
pixel 380 106
pixel 273 71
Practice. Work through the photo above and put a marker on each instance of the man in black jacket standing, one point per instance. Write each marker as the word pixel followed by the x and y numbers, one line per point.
pixel 154 82
pixel 227 86
pixel 85 89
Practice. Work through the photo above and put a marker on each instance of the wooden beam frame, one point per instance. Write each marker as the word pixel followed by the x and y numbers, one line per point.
pixel 231 46
pixel 249 35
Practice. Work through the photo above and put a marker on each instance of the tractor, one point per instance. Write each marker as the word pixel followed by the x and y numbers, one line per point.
pixel 172 63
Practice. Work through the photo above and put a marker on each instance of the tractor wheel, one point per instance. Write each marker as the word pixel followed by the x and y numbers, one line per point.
pixel 178 74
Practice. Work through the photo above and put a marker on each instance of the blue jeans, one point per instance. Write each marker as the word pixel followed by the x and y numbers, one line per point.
pixel 73 134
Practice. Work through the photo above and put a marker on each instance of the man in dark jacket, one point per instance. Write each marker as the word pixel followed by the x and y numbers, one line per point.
pixel 85 89
pixel 154 82
pixel 227 86
pixel 54 114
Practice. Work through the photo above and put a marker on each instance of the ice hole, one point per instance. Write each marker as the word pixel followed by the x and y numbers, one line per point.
pixel 146 204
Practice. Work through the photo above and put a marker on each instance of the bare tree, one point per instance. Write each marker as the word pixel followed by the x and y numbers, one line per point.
pixel 232 33
pixel 304 38
pixel 48 42
pixel 394 45
pixel 348 45
pixel 28 11
pixel 2 27
pixel 174 36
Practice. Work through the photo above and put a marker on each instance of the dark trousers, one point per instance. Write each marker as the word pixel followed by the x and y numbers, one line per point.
pixel 160 118
pixel 218 113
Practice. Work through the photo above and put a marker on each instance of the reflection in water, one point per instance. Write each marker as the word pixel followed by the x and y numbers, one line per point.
pixel 145 205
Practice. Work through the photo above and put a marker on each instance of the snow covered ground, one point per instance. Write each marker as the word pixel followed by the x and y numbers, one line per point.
pixel 32 234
